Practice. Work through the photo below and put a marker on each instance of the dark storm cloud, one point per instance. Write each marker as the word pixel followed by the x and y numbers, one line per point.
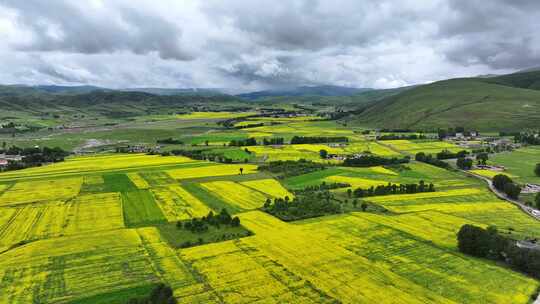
pixel 248 45
pixel 61 26
pixel 497 33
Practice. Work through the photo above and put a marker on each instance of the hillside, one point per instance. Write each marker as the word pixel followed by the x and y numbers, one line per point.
pixel 326 90
pixel 500 103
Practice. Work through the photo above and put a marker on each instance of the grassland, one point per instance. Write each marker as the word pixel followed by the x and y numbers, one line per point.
pixel 520 163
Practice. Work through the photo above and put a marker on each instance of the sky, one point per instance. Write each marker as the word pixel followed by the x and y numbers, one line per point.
pixel 249 45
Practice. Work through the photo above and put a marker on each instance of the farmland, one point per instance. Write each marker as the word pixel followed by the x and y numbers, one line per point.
pixel 102 228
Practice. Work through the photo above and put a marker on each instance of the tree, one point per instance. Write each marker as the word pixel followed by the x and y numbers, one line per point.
pixel 537 170
pixel 364 206
pixel 464 163
pixel 420 156
pixel 323 154
pixel 482 158
pixel 512 190
pixel 355 203
pixel 500 180
pixel 241 170
pixel 537 200
pixel 349 192
pixel 235 222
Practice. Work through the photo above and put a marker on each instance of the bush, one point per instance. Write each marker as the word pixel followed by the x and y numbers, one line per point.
pixel 537 170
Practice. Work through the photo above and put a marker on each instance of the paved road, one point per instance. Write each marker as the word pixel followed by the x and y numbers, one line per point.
pixel 530 211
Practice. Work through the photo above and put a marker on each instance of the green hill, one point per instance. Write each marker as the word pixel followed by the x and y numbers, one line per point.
pixel 506 103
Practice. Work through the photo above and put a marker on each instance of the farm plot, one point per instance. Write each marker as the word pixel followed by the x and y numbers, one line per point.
pixel 429 147
pixel 42 190
pixel 235 194
pixel 178 204
pixel 519 163
pixel 83 214
pixel 456 278
pixel 138 181
pixel 69 268
pixel 268 186
pixel 355 182
pixel 103 163
pixel 140 208
pixel 213 170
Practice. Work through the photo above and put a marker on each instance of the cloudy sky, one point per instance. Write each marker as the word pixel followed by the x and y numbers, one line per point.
pixel 258 44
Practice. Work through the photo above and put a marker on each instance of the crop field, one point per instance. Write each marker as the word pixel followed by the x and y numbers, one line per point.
pixel 428 147
pixel 28 192
pixel 490 173
pixel 214 170
pixel 269 186
pixel 519 163
pixel 236 194
pixel 178 204
pixel 213 115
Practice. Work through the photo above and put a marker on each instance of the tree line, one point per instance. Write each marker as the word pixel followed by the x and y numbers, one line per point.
pixel 488 243
pixel 33 157
pixel 309 204
pixel 529 137
pixel 288 168
pixel 391 189
pixel 373 160
pixel 429 159
pixel 196 225
pixel 317 139
pixel 401 136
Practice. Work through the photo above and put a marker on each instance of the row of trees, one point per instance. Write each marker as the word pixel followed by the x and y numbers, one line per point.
pixel 309 204
pixel 429 159
pixel 401 136
pixel 196 225
pixel 505 184
pixel 488 243
pixel 33 157
pixel 390 189
pixel 447 154
pixel 169 141
pixel 373 160
pixel 243 142
pixel 288 168
pixel 317 139
pixel 200 154
pixel 529 137
pixel 253 125
pixel 273 141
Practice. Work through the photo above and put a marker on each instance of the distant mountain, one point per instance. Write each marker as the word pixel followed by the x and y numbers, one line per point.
pixel 326 90
pixel 502 103
pixel 172 91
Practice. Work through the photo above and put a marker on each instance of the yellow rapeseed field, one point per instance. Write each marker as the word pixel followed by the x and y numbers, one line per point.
pixel 42 190
pixel 489 173
pixel 355 182
pixel 138 181
pixel 216 170
pixel 178 204
pixel 236 194
pixel 269 186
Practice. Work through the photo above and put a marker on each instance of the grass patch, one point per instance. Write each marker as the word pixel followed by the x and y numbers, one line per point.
pixel 140 208
pixel 117 297
pixel 181 238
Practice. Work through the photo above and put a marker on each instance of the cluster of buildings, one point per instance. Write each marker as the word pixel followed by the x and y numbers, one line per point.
pixel 5 159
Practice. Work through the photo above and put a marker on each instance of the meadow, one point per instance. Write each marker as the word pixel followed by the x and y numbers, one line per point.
pixel 520 163
pixel 102 228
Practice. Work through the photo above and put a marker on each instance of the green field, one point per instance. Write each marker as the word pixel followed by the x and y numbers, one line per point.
pixel 520 163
